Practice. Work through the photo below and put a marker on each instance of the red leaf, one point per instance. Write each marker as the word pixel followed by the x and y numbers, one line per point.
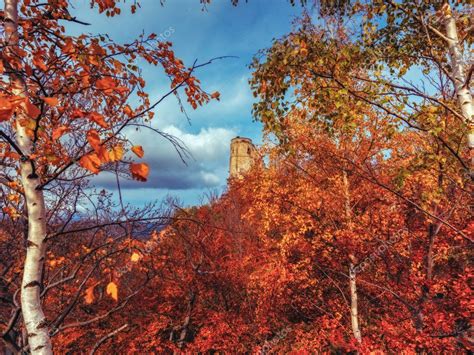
pixel 6 109
pixel 103 154
pixel 77 114
pixel 32 110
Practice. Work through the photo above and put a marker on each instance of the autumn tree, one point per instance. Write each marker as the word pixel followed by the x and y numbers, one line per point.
pixel 66 102
pixel 345 93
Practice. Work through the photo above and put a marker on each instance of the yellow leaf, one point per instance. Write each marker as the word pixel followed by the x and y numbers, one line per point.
pixel 138 150
pixel 116 153
pixel 112 290
pixel 135 257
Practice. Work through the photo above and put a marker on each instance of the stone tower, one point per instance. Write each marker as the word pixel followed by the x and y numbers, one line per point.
pixel 242 156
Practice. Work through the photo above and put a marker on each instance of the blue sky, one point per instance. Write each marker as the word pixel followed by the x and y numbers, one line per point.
pixel 220 30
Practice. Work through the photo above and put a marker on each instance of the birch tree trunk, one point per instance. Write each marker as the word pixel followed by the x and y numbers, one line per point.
pixel 354 310
pixel 35 322
pixel 461 86
pixel 352 274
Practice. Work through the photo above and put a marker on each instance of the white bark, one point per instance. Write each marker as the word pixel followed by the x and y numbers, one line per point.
pixel 352 274
pixel 463 93
pixel 354 310
pixel 33 316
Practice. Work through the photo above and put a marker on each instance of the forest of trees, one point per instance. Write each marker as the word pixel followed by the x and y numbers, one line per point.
pixel 352 234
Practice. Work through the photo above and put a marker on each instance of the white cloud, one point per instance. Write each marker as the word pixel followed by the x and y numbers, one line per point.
pixel 207 168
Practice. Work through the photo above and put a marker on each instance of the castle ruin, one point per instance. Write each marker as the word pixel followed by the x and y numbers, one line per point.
pixel 242 156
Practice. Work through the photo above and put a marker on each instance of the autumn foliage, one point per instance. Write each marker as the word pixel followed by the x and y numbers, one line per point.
pixel 351 233
pixel 266 265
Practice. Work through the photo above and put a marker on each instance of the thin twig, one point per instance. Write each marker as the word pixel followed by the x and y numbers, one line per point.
pixel 106 337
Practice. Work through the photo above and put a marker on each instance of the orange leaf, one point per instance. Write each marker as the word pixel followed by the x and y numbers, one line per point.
pixel 39 62
pixel 94 139
pixel 105 84
pixel 128 111
pixel 68 46
pixel 112 290
pixel 51 101
pixel 103 154
pixel 138 150
pixel 58 132
pixel 140 171
pixel 13 198
pixel 89 297
pixel 12 212
pixel 98 118
pixel 90 162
